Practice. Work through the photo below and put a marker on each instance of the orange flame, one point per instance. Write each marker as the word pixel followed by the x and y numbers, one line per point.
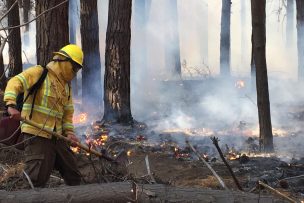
pixel 81 118
pixel 240 84
pixel 75 149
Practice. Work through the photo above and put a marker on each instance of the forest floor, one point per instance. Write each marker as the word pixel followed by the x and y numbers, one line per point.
pixel 170 162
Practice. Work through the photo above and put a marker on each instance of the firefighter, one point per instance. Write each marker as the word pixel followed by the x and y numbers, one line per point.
pixel 53 110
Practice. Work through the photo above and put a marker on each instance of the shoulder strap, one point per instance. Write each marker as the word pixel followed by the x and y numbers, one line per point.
pixel 35 88
pixel 38 84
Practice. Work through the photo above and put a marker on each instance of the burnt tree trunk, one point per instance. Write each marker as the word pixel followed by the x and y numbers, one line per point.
pixel 252 67
pixel 300 34
pixel 2 74
pixel 91 74
pixel 117 105
pixel 14 40
pixel 225 38
pixel 73 19
pixel 290 23
pixel 259 56
pixel 52 29
pixel 172 44
pixel 26 11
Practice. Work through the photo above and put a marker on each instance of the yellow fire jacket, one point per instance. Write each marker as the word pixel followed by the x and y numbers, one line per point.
pixel 53 107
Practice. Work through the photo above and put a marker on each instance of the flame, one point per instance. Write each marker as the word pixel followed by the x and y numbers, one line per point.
pixel 233 157
pixel 100 141
pixel 240 84
pixel 75 149
pixel 129 153
pixel 81 118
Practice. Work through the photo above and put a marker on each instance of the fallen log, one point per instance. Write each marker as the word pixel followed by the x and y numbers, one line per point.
pixel 126 192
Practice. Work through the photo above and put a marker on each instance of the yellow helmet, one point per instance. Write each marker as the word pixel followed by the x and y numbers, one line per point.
pixel 72 52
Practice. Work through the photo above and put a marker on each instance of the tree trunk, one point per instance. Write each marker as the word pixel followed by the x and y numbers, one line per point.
pixel 26 10
pixel 122 192
pixel 290 23
pixel 2 74
pixel 300 34
pixel 14 40
pixel 73 19
pixel 117 105
pixel 252 67
pixel 259 45
pixel 172 47
pixel 91 74
pixel 52 29
pixel 225 38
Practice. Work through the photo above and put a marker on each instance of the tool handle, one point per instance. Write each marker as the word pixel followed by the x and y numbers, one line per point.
pixel 78 144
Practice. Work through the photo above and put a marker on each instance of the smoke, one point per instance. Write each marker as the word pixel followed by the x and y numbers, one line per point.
pixel 204 100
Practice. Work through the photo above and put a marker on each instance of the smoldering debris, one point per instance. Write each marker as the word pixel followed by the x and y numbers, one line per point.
pixel 171 161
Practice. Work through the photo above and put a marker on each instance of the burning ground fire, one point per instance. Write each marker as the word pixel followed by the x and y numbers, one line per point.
pixel 98 138
pixel 93 143
pixel 80 119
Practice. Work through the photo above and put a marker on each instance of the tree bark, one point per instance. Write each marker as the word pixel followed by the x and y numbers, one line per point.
pixel 91 74
pixel 172 44
pixel 121 192
pixel 117 105
pixel 252 67
pixel 225 38
pixel 259 46
pixel 26 10
pixel 73 19
pixel 14 40
pixel 52 29
pixel 290 23
pixel 2 75
pixel 300 34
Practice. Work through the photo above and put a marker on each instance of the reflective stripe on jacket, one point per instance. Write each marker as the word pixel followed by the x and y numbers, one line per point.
pixel 53 107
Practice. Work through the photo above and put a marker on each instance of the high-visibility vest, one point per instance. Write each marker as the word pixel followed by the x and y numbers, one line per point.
pixel 53 107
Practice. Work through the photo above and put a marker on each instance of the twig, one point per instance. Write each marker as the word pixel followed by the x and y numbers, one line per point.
pixel 290 178
pixel 26 57
pixel 26 23
pixel 9 10
pixel 208 165
pixel 276 192
pixel 29 180
pixel 215 142
pixel 148 169
pixel 55 177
